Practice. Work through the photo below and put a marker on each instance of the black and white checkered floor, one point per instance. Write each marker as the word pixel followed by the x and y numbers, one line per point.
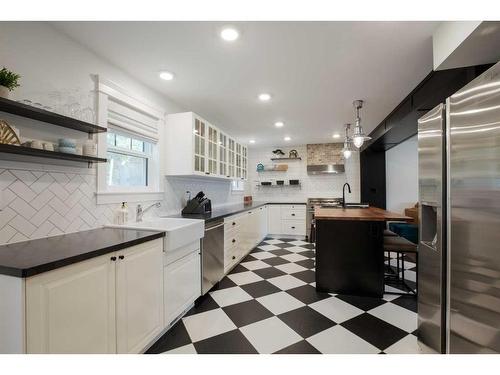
pixel 268 304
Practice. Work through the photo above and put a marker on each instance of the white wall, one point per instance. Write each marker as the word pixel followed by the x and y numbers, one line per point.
pixel 401 163
pixel 319 186
pixel 38 200
pixel 447 37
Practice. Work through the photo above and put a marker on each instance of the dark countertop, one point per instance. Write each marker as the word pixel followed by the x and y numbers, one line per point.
pixel 29 258
pixel 224 211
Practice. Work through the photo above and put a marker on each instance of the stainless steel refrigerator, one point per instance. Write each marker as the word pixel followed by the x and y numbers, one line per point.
pixel 459 248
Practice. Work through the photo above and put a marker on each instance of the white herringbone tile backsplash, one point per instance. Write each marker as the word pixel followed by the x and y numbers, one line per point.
pixel 36 204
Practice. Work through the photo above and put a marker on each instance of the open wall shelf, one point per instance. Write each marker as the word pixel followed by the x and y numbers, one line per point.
pixel 287 159
pixel 27 111
pixel 33 152
pixel 278 186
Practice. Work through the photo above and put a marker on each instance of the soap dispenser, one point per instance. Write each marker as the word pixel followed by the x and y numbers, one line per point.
pixel 123 214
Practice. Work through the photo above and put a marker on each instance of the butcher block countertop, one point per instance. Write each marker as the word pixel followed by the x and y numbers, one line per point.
pixel 363 214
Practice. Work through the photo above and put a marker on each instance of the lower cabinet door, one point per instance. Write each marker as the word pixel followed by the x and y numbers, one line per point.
pixel 139 296
pixel 72 309
pixel 182 284
pixel 274 219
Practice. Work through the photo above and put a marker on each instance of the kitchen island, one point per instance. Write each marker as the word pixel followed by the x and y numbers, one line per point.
pixel 349 249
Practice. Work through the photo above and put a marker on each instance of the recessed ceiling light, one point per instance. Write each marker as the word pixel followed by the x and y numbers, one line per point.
pixel 279 124
pixel 252 141
pixel 229 34
pixel 167 76
pixel 264 97
pixel 336 135
pixel 287 138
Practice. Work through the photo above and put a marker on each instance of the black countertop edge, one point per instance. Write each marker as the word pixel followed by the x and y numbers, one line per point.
pixel 40 267
pixel 229 210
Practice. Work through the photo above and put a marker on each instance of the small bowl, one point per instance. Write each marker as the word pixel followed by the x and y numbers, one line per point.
pixel 67 150
pixel 67 142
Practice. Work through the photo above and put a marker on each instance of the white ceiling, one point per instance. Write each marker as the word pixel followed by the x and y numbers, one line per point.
pixel 314 70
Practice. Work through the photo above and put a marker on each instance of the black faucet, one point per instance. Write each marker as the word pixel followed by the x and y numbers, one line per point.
pixel 343 193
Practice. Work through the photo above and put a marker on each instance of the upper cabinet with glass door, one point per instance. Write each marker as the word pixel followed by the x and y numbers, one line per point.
pixel 213 148
pixel 194 147
pixel 244 162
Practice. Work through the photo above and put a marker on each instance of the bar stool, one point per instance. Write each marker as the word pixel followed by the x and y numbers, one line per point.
pixel 390 272
pixel 401 246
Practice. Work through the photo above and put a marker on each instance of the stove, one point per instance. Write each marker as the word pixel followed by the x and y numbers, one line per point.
pixel 312 203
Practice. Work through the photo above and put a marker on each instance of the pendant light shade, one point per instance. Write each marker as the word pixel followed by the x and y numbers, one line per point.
pixel 347 150
pixel 359 137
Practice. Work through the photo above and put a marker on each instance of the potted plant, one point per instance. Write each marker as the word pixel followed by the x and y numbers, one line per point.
pixel 8 82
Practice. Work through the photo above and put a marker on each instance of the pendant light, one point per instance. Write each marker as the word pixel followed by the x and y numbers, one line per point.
pixel 359 136
pixel 347 150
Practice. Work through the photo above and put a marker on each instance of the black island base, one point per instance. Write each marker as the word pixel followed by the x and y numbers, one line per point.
pixel 350 257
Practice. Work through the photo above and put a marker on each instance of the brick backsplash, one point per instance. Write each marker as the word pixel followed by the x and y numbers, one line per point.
pixel 325 153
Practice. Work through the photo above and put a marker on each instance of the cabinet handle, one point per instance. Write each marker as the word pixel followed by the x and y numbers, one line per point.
pixel 293 227
pixel 228 176
pixel 121 257
pixel 249 212
pixel 207 172
pixel 234 240
pixel 293 214
pixel 113 259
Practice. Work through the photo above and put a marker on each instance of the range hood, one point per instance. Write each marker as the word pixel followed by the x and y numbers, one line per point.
pixel 325 158
pixel 325 169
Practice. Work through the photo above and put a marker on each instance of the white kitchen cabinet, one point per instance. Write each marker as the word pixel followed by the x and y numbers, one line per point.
pixel 72 309
pixel 231 156
pixel 223 155
pixel 213 151
pixel 242 232
pixel 182 282
pixel 239 162
pixel 139 297
pixel 287 219
pixel 244 162
pixel 263 221
pixel 274 219
pixel 108 304
pixel 194 147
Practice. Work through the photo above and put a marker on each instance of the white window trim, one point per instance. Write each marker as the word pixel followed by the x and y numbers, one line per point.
pixel 105 194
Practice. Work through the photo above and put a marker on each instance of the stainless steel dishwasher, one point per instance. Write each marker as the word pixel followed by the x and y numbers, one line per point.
pixel 212 254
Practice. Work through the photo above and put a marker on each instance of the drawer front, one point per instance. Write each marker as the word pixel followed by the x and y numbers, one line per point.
pixel 232 224
pixel 296 227
pixel 292 214
pixel 298 207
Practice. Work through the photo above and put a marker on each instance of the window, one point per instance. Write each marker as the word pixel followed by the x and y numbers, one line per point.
pixel 129 160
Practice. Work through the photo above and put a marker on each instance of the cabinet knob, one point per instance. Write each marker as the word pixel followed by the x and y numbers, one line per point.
pixel 121 257
pixel 228 176
pixel 113 258
pixel 293 227
pixel 234 223
pixel 293 214
pixel 207 172
pixel 234 257
pixel 234 240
